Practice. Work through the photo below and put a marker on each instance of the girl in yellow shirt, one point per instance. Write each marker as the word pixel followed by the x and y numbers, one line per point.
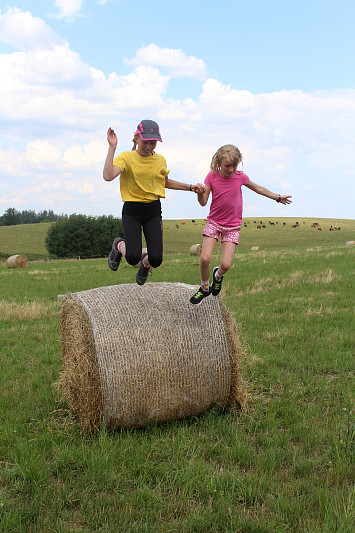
pixel 143 180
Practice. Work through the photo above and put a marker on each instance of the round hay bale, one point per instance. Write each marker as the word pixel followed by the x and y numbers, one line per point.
pixel 196 249
pixel 17 261
pixel 255 248
pixel 137 355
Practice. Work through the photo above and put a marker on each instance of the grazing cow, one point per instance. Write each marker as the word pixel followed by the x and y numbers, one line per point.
pixel 176 225
pixel 258 227
pixel 263 226
pixel 284 223
pixel 319 229
pixel 193 221
pixel 294 226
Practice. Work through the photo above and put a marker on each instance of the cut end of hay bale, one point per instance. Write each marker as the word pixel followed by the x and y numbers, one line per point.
pixel 17 261
pixel 137 355
pixel 255 248
pixel 196 249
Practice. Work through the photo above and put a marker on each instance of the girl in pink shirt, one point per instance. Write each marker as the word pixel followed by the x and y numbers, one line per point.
pixel 225 216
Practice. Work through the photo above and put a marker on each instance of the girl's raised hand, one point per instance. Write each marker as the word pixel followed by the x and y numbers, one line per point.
pixel 112 137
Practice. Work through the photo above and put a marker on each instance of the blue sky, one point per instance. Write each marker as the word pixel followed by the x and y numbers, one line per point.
pixel 275 78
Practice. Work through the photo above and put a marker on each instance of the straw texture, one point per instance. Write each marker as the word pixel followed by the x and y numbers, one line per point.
pixel 136 355
pixel 17 261
pixel 196 249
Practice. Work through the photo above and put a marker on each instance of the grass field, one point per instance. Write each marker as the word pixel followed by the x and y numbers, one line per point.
pixel 28 239
pixel 285 464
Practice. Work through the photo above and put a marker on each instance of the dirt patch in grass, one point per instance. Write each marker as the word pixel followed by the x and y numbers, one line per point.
pixel 295 278
pixel 28 310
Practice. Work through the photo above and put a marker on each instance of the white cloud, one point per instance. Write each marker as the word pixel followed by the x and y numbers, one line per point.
pixel 55 110
pixel 34 32
pixel 68 8
pixel 84 157
pixel 176 62
pixel 42 154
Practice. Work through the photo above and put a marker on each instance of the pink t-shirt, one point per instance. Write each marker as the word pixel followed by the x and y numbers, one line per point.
pixel 227 200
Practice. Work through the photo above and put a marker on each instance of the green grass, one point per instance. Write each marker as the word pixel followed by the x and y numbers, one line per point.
pixel 28 239
pixel 285 464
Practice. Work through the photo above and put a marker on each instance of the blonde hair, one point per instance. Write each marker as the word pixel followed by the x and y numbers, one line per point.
pixel 229 152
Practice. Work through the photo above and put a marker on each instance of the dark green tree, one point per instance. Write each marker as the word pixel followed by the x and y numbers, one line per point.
pixel 11 217
pixel 84 236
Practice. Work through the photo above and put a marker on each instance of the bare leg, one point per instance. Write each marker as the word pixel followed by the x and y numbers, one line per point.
pixel 228 249
pixel 121 247
pixel 208 245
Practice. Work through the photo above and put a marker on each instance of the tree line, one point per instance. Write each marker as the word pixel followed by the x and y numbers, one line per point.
pixel 12 217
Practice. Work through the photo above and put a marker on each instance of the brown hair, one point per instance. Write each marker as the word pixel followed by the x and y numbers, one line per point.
pixel 134 140
pixel 229 152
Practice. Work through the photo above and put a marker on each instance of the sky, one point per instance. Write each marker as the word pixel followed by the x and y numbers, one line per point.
pixel 275 78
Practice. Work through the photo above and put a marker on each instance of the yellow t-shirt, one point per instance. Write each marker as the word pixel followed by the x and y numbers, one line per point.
pixel 142 178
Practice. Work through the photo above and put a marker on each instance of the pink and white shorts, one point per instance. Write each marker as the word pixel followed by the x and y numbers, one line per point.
pixel 227 233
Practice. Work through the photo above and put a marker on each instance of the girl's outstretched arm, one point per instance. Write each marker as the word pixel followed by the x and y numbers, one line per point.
pixel 282 199
pixel 110 171
pixel 179 186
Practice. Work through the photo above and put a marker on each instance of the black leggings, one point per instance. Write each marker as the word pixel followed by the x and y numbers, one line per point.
pixel 147 216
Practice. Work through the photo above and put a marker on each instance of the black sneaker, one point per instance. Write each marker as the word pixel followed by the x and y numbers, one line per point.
pixel 216 284
pixel 114 257
pixel 143 272
pixel 199 296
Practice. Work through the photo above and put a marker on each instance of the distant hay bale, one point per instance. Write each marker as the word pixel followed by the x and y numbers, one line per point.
pixel 196 249
pixel 137 355
pixel 255 248
pixel 350 243
pixel 17 261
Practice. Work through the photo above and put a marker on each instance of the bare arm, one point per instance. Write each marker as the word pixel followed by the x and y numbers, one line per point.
pixel 283 199
pixel 179 186
pixel 203 196
pixel 110 171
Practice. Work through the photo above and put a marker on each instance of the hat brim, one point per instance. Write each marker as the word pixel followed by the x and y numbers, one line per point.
pixel 149 137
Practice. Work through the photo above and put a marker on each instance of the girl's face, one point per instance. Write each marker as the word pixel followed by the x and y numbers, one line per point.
pixel 145 148
pixel 227 168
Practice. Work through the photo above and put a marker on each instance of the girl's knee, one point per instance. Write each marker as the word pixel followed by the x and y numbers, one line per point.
pixel 133 259
pixel 155 260
pixel 225 265
pixel 205 260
